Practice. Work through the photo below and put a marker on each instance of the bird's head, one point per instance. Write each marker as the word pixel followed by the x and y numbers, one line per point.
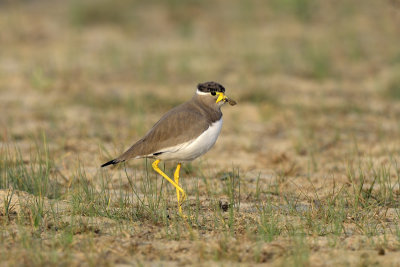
pixel 214 91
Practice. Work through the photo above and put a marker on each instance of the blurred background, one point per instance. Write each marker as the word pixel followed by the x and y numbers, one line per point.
pixel 310 154
pixel 307 74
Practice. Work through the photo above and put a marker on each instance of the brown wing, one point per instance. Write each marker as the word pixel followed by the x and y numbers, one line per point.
pixel 179 125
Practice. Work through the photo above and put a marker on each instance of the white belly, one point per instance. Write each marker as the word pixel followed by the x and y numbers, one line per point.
pixel 190 150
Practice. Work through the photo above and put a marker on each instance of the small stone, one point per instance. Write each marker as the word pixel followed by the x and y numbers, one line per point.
pixel 224 205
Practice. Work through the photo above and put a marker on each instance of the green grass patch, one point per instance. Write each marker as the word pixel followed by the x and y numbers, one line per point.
pixel 35 176
pixel 89 13
pixel 393 88
pixel 303 10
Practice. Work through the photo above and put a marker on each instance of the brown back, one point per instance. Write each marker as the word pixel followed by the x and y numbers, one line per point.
pixel 181 124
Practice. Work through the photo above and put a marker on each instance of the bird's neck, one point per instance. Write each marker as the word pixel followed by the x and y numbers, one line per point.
pixel 207 106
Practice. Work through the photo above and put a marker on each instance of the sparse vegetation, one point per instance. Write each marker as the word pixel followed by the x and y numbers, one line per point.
pixel 305 172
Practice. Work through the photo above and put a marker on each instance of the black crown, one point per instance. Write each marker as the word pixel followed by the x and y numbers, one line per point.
pixel 208 87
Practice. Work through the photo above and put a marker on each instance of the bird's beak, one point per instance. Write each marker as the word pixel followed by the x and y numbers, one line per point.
pixel 221 97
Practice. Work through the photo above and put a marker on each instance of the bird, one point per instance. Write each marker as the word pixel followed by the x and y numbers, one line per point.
pixel 183 134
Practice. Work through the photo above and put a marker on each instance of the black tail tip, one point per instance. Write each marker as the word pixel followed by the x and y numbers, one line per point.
pixel 114 161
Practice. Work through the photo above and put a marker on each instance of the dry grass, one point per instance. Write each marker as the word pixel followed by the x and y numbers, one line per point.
pixel 305 171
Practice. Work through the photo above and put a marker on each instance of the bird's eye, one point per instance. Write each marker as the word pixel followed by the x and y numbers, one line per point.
pixel 213 93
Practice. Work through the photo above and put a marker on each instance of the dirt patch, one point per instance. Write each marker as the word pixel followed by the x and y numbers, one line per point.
pixel 304 173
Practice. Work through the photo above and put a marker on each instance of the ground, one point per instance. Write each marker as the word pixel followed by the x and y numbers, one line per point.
pixel 305 171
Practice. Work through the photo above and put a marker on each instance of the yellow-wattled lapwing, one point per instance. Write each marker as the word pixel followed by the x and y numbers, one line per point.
pixel 183 133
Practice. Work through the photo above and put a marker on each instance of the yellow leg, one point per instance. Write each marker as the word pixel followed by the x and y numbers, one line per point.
pixel 176 178
pixel 178 188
